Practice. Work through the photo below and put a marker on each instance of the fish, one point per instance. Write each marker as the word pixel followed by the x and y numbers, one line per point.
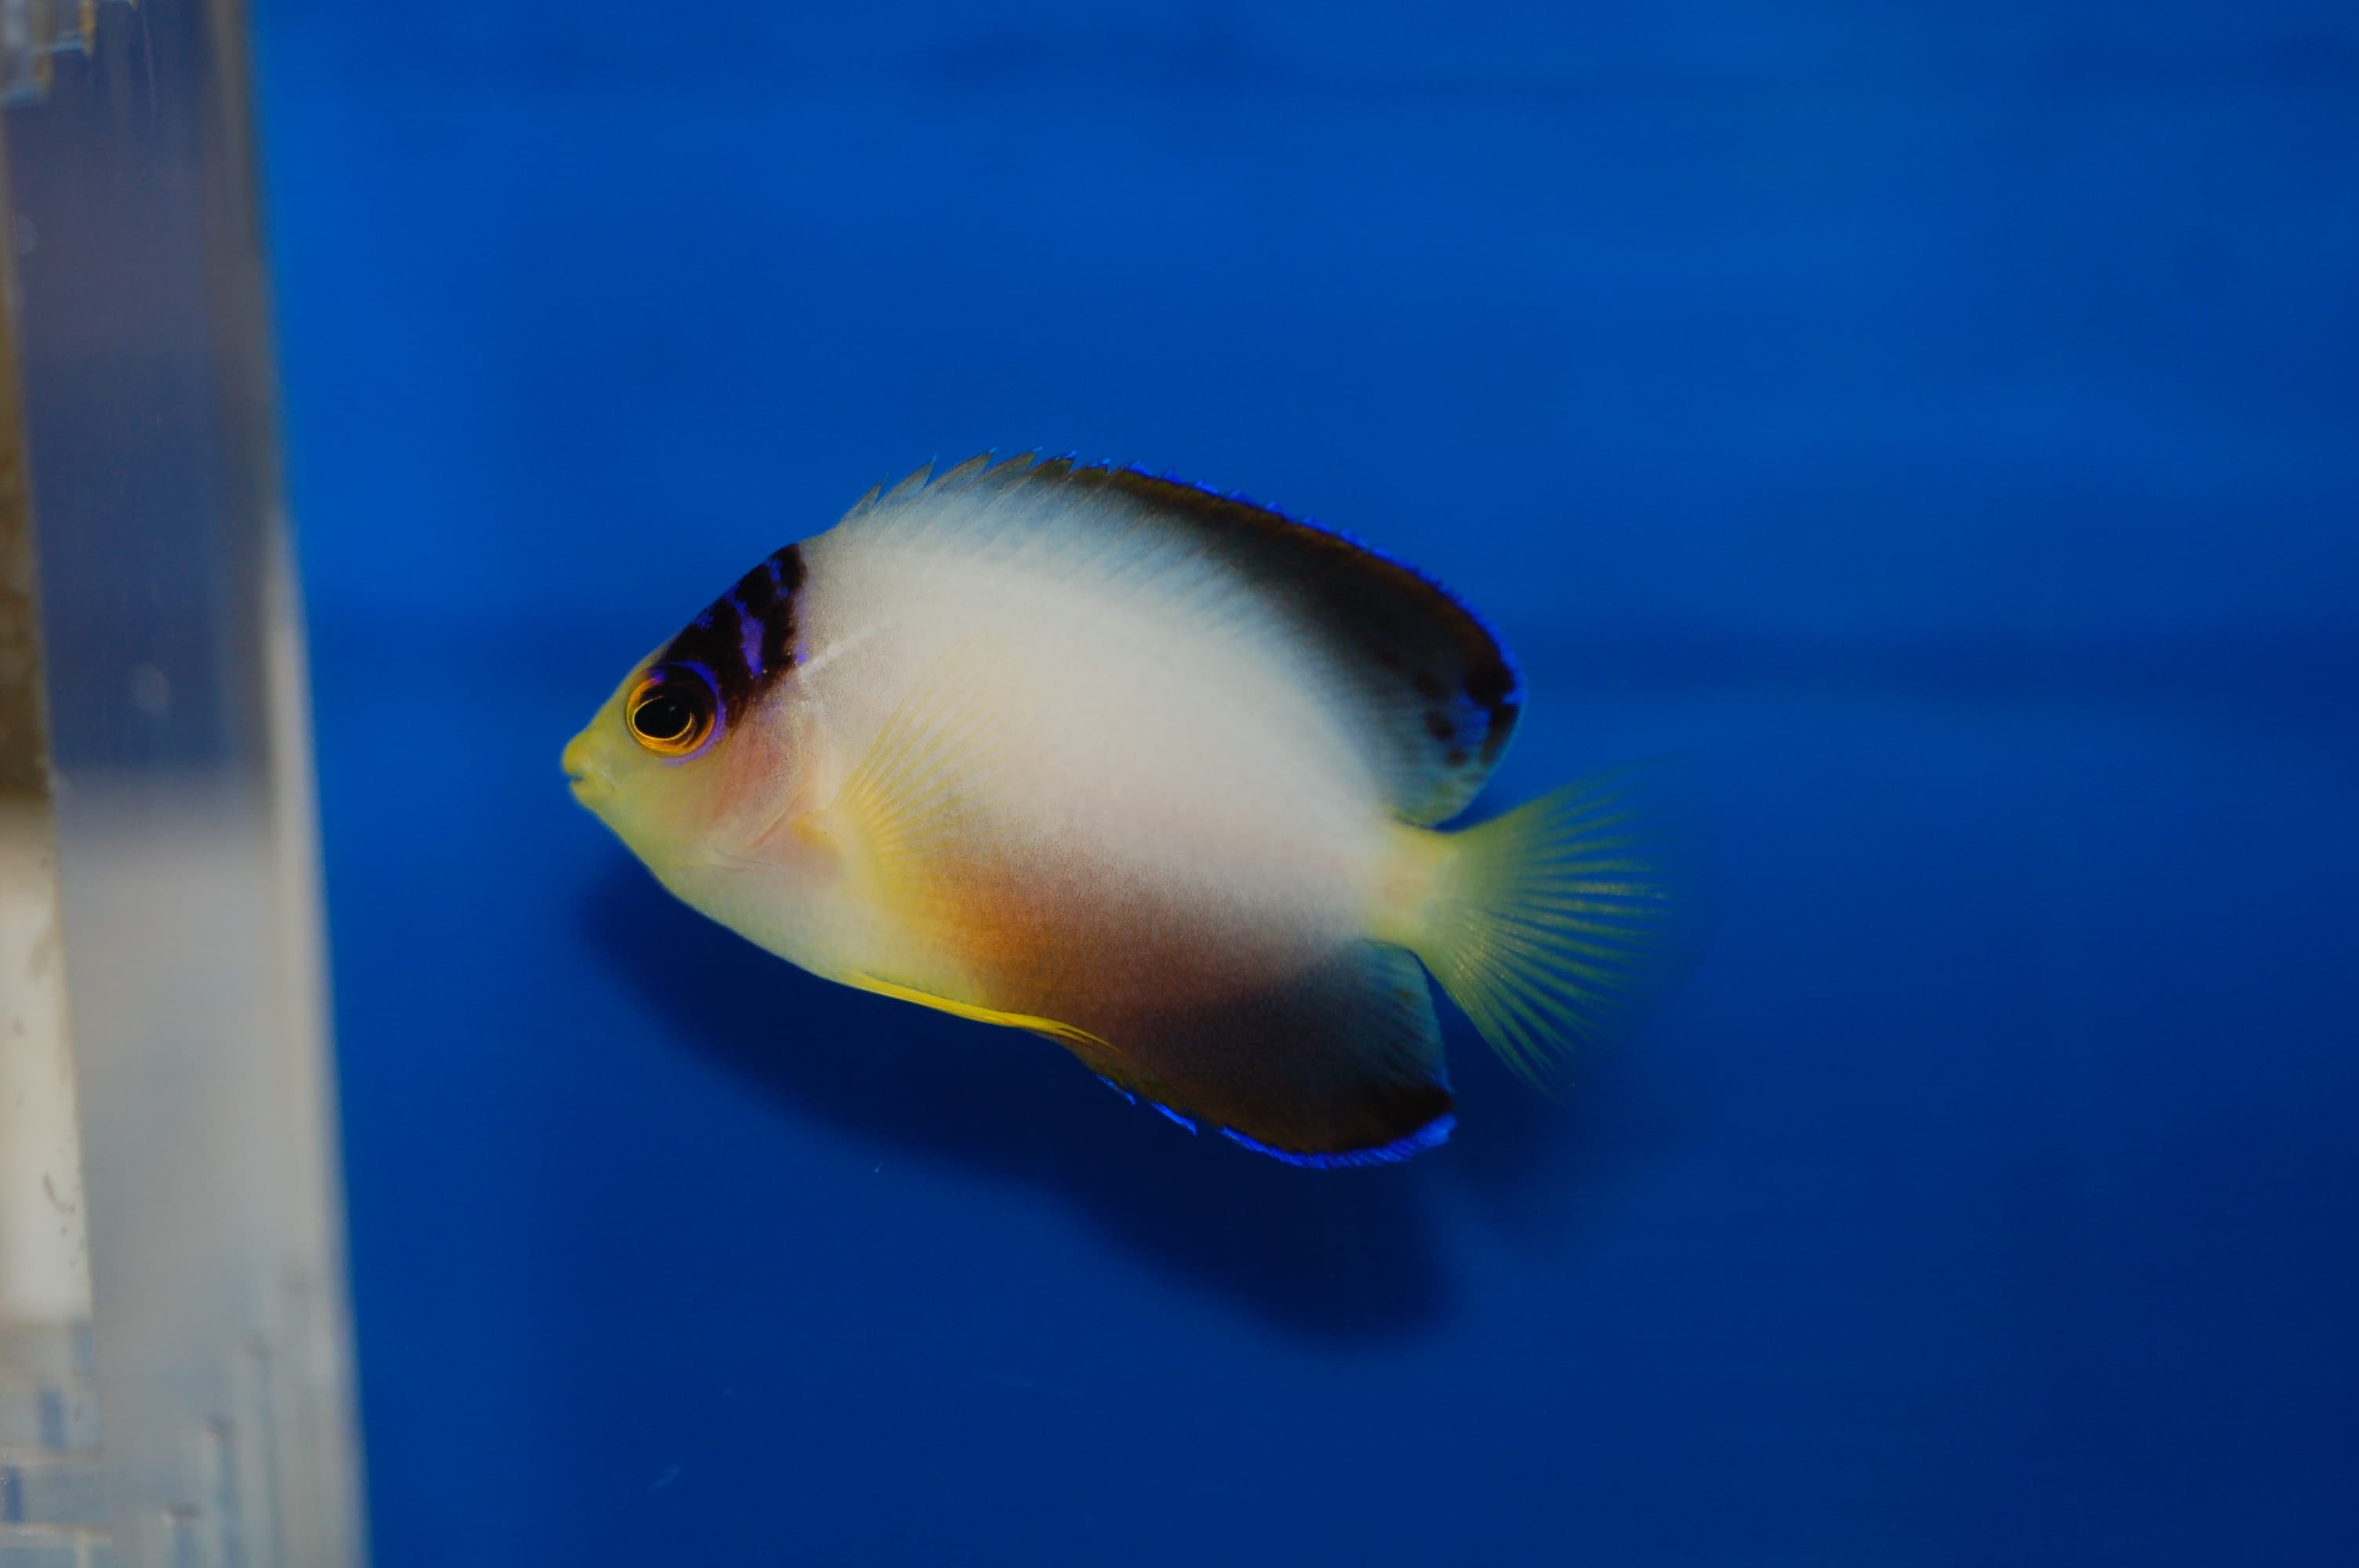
pixel 1149 769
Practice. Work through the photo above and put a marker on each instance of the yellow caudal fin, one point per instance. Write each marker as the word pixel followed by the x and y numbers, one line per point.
pixel 1550 923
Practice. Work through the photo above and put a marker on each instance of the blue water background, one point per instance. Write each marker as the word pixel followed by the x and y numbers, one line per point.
pixel 1938 424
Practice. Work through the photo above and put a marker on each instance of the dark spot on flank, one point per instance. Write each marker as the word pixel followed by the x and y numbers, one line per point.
pixel 1437 725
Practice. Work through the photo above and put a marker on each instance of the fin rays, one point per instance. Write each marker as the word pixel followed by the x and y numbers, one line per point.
pixel 912 795
pixel 1552 920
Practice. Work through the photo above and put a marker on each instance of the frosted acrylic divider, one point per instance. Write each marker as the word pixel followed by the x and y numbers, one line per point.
pixel 175 1382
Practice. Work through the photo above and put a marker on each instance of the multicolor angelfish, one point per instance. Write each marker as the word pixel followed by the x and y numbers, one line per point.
pixel 1147 770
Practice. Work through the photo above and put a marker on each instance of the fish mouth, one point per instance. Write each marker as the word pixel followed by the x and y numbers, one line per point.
pixel 589 786
pixel 590 790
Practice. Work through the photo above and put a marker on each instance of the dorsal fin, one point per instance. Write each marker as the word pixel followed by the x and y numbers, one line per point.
pixel 1436 695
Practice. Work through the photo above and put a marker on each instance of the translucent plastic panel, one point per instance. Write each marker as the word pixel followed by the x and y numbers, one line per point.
pixel 174 1360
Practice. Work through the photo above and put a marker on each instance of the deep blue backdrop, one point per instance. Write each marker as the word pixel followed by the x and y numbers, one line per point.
pixel 1939 423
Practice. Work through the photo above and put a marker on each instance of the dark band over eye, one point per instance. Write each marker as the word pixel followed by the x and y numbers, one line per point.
pixel 672 709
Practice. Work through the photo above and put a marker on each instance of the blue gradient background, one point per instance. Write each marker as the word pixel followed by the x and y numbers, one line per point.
pixel 1939 423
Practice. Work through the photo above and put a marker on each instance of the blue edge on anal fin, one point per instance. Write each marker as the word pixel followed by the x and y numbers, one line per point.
pixel 1432 1135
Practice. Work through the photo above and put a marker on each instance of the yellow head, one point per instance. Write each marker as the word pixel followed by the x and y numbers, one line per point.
pixel 690 761
pixel 647 763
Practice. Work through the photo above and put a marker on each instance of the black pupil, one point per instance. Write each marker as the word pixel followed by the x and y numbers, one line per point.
pixel 663 717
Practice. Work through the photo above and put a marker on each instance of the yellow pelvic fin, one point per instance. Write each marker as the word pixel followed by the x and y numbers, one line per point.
pixel 1063 1033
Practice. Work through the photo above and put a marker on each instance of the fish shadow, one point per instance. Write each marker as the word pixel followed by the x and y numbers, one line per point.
pixel 1350 1253
pixel 1353 1254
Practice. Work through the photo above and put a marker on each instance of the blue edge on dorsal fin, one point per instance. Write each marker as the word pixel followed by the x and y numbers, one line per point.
pixel 1432 1135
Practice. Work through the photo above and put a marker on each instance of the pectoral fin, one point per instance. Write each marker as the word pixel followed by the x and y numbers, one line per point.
pixel 917 807
pixel 928 847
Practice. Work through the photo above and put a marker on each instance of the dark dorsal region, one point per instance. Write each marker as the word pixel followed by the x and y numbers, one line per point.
pixel 1434 696
pixel 744 639
pixel 1408 626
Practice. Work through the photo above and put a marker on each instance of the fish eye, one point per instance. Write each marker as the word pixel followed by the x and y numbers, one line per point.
pixel 671 711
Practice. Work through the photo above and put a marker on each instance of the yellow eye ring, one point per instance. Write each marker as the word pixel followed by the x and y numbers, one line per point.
pixel 671 712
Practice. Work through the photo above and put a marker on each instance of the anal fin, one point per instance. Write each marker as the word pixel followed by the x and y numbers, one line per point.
pixel 1338 1064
